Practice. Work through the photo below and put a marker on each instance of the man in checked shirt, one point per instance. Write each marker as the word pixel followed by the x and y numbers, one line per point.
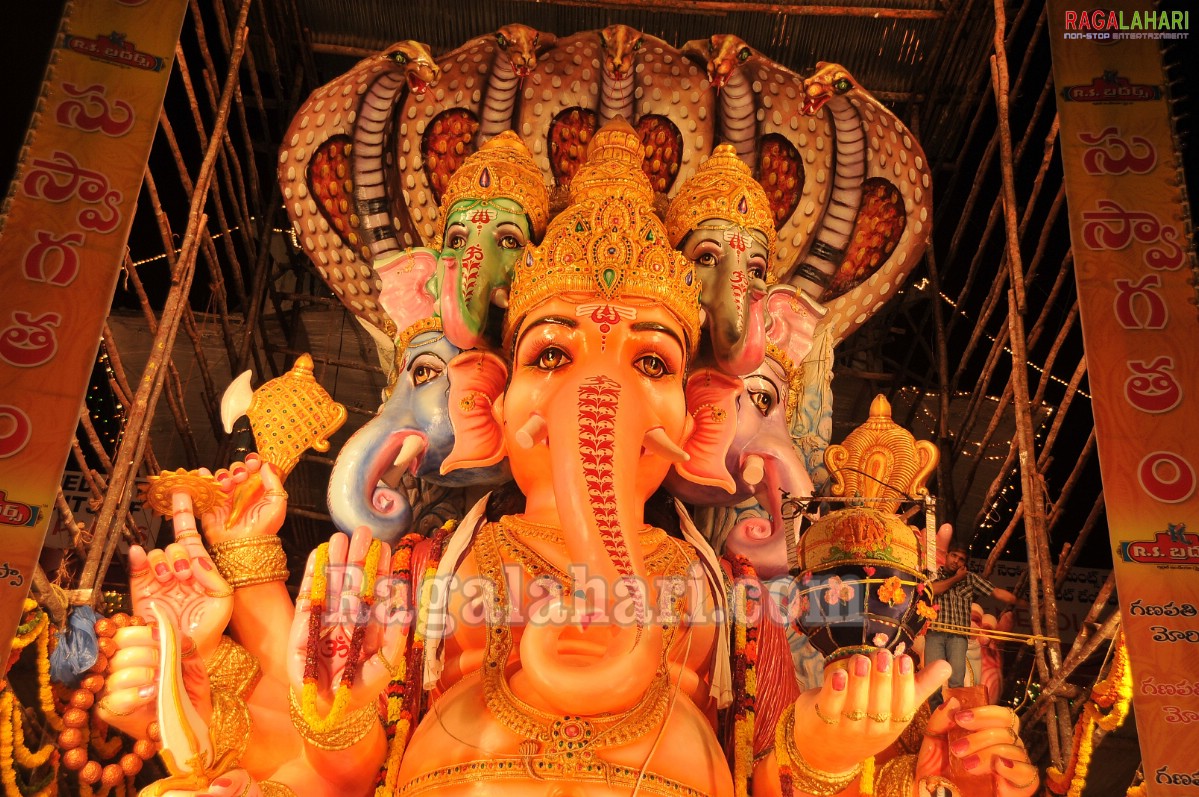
pixel 955 589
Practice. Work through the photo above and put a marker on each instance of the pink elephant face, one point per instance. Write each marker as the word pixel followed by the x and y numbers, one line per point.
pixel 583 359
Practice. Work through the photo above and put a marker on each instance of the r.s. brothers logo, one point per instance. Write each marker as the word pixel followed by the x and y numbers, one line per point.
pixel 1105 24
pixel 1110 87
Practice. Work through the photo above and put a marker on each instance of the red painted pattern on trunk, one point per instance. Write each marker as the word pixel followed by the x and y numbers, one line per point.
pixel 598 399
pixel 472 260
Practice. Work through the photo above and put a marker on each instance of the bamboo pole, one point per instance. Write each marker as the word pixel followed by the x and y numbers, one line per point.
pixel 1048 656
pixel 116 501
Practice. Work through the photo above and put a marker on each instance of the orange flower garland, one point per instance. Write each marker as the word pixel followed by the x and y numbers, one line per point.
pixel 1114 692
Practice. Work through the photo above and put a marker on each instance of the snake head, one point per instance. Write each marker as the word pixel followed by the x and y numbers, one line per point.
pixel 620 44
pixel 521 44
pixel 723 54
pixel 416 62
pixel 829 80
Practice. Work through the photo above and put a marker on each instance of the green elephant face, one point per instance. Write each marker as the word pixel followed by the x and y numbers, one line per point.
pixel 486 237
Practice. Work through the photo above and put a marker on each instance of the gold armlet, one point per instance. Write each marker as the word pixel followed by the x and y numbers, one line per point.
pixel 352 729
pixel 230 727
pixel 272 788
pixel 897 777
pixel 234 669
pixel 804 776
pixel 248 561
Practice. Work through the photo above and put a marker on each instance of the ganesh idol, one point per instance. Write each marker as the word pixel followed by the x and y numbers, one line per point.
pixel 576 636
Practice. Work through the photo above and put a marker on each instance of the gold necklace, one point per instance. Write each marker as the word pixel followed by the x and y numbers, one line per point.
pixel 543 531
pixel 510 529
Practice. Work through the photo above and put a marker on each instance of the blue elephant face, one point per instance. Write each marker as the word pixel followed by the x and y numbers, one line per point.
pixel 420 403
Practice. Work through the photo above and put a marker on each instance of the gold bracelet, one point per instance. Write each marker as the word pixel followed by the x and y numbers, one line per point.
pixel 230 726
pixel 248 561
pixel 804 776
pixel 233 668
pixel 352 729
pixel 273 788
pixel 897 777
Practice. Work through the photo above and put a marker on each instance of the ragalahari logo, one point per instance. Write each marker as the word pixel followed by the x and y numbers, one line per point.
pixel 1110 87
pixel 1108 25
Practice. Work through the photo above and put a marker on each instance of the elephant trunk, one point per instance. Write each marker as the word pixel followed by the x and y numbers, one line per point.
pixel 739 332
pixel 779 479
pixel 364 487
pixel 464 301
pixel 595 454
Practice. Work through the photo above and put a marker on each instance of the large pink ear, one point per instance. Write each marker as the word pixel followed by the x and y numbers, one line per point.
pixel 477 379
pixel 405 277
pixel 712 402
pixel 793 316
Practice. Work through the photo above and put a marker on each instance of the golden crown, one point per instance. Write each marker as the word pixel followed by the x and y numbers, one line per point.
pixel 722 187
pixel 608 242
pixel 501 169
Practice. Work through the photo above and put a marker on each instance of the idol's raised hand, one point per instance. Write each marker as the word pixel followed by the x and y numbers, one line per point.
pixel 182 581
pixel 340 639
pixel 863 706
pixel 255 504
pixel 991 745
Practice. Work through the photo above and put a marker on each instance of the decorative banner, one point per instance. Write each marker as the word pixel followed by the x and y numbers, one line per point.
pixel 1133 265
pixel 63 233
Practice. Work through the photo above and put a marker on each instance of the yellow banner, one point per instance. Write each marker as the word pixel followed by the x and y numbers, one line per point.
pixel 62 238
pixel 1133 264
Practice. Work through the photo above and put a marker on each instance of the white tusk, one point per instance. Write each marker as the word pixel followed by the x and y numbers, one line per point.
pixel 657 441
pixel 412 447
pixel 532 433
pixel 754 470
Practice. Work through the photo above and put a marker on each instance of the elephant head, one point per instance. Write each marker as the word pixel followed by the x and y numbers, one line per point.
pixel 601 323
pixel 411 434
pixel 493 206
pixel 763 459
pixel 721 220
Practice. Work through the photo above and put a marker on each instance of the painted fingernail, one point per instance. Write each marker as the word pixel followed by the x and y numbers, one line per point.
pixel 237 470
pixel 154 632
pixel 162 570
pixel 963 716
pixel 147 691
pixel 905 665
pixel 971 762
pixel 884 661
pixel 204 563
pixel 840 680
pixel 251 457
pixel 861 665
pixel 960 747
pixel 223 782
pixel 180 565
pixel 1007 762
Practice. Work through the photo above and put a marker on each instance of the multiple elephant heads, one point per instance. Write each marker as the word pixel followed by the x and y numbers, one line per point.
pixel 415 185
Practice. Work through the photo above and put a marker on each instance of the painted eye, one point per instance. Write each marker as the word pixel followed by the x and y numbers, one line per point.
pixel 652 366
pixel 424 373
pixel 762 400
pixel 552 358
pixel 707 260
pixel 399 58
pixel 842 85
pixel 744 54
pixel 501 40
pixel 509 242
pixel 456 241
pixel 757 269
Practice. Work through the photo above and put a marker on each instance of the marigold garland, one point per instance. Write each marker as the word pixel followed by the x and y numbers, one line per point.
pixel 747 596
pixel 1114 692
pixel 404 689
pixel 13 749
pixel 318 596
